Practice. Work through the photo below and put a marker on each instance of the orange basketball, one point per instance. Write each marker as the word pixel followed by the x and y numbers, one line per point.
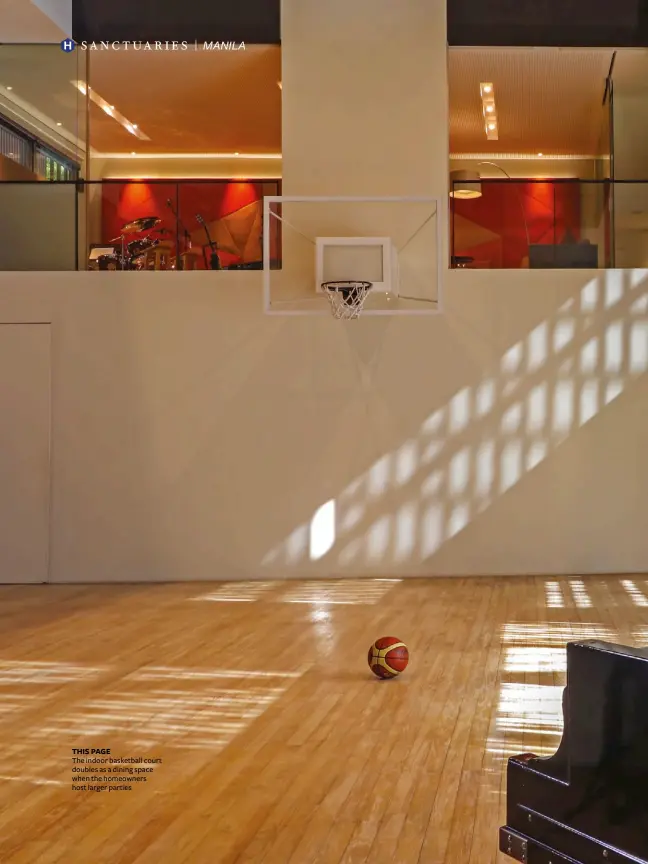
pixel 388 657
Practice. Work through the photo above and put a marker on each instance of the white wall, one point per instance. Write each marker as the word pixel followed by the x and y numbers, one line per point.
pixel 25 384
pixel 194 438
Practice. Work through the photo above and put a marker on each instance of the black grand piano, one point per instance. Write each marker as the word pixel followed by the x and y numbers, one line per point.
pixel 587 804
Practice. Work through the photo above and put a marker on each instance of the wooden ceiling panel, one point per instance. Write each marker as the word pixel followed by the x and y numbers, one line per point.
pixel 548 100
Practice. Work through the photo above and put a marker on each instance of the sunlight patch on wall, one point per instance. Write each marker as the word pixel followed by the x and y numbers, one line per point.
pixel 488 437
pixel 322 531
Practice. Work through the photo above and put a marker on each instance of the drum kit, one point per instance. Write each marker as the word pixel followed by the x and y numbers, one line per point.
pixel 122 254
pixel 130 255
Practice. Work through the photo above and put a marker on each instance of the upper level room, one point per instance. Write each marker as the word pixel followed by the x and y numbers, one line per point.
pixel 547 158
pixel 162 157
pixel 168 153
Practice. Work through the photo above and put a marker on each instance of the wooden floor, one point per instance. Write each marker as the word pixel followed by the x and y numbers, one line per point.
pixel 277 744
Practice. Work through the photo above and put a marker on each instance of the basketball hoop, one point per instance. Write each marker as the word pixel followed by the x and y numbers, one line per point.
pixel 347 297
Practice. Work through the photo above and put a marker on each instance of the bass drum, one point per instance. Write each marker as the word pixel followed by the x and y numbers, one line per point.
pixel 108 262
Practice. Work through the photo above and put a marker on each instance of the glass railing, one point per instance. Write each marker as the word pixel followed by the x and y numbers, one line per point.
pixel 115 225
pixel 548 224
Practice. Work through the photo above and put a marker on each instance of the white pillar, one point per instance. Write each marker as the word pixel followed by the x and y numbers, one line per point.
pixel 365 97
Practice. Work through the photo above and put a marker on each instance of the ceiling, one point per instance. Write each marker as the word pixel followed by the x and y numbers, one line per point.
pixel 548 100
pixel 22 21
pixel 184 101
pixel 631 71
pixel 189 101
pixel 36 93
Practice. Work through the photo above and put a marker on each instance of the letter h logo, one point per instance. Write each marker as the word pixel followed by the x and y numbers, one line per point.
pixel 67 45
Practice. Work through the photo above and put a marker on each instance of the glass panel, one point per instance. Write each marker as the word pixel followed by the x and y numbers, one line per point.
pixel 127 218
pixel 536 224
pixel 38 226
pixel 39 89
pixel 221 224
pixel 15 147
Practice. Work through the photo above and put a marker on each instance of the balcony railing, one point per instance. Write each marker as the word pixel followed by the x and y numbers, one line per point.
pixel 114 225
pixel 548 224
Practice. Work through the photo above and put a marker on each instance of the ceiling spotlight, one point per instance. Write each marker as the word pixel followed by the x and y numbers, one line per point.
pixel 488 88
pixel 490 109
pixel 237 154
pixel 491 126
pixel 133 153
pixel 540 154
pixel 8 88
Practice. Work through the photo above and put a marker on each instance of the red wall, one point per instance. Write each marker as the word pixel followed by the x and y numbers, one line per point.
pixel 551 210
pixel 124 202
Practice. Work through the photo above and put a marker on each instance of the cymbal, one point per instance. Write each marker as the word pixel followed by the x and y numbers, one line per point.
pixel 143 224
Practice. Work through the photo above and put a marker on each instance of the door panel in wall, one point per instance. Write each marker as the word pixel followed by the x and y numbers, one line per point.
pixel 25 395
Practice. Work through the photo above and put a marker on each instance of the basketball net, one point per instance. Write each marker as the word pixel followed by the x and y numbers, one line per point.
pixel 346 298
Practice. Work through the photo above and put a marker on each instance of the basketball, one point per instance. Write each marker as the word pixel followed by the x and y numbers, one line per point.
pixel 388 657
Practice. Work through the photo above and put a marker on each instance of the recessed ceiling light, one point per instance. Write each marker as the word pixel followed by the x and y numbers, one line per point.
pixel 8 88
pixel 490 108
pixel 110 110
pixel 133 153
pixel 488 88
pixel 491 126
pixel 237 154
pixel 540 154
pixel 59 124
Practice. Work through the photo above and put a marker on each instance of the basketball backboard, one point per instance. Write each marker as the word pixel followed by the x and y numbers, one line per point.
pixel 392 242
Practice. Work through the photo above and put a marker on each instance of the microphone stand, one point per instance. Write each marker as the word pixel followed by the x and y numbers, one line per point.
pixel 187 236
